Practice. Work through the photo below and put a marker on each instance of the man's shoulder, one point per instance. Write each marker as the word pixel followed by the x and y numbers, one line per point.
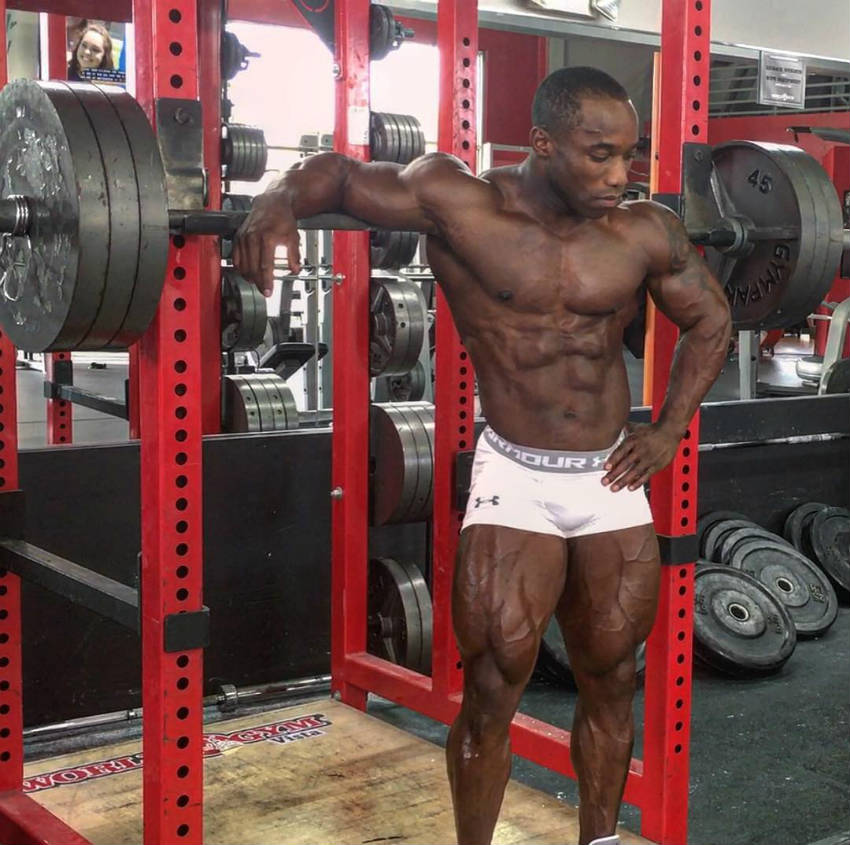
pixel 658 231
pixel 441 177
pixel 643 212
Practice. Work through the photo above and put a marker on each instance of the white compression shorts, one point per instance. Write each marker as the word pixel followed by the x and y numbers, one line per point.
pixel 547 491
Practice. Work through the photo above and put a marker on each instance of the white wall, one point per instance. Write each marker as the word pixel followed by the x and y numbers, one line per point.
pixel 22 37
pixel 813 27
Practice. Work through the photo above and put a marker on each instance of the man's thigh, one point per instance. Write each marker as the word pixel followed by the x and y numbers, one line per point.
pixel 507 583
pixel 610 595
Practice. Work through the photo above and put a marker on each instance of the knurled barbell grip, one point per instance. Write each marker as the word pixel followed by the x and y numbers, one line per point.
pixel 225 223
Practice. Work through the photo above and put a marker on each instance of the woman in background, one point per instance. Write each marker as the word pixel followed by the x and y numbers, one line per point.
pixel 92 50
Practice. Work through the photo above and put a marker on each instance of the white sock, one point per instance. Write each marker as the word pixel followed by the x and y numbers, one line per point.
pixel 607 840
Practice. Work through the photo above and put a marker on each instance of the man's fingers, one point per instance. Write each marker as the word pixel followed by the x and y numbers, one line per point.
pixel 293 252
pixel 618 461
pixel 265 276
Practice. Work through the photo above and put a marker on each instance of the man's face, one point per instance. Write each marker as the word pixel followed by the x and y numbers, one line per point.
pixel 91 50
pixel 588 164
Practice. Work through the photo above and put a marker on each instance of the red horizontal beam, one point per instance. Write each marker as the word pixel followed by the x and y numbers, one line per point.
pixel 531 739
pixel 25 822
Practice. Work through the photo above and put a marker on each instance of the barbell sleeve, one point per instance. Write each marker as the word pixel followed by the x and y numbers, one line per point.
pixel 15 214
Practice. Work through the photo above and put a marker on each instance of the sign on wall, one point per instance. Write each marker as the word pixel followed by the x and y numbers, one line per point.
pixel 782 81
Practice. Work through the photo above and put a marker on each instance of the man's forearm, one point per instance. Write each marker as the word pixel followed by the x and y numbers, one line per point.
pixel 699 357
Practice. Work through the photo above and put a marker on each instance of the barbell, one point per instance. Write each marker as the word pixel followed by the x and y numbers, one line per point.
pixel 85 222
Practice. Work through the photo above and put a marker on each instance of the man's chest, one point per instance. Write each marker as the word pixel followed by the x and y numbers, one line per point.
pixel 593 275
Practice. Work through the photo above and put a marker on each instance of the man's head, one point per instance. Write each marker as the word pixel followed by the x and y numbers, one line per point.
pixel 584 136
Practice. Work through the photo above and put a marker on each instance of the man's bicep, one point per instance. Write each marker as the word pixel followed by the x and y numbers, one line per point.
pixel 688 294
pixel 377 193
pixel 679 281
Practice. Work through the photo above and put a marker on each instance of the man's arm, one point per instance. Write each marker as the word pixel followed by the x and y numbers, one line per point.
pixel 383 194
pixel 683 288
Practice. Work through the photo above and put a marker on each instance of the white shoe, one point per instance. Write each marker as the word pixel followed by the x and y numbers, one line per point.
pixel 607 840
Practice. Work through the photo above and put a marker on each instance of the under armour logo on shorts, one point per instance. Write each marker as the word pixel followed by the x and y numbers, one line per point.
pixel 479 501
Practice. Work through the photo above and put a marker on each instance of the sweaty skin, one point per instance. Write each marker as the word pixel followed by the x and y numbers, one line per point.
pixel 542 267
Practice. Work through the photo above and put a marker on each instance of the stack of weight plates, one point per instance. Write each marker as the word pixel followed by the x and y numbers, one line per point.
pixel 402 438
pixel 398 138
pixel 256 402
pixel 243 313
pixel 755 593
pixel 822 534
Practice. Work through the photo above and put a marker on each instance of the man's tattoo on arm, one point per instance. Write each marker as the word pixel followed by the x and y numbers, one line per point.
pixel 683 259
pixel 677 239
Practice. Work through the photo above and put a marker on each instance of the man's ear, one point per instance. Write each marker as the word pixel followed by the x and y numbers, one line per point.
pixel 541 142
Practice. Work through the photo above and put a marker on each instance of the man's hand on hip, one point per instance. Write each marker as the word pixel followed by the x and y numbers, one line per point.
pixel 645 450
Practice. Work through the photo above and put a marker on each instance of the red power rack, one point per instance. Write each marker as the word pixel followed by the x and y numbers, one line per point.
pixel 658 784
pixel 170 418
pixel 170 376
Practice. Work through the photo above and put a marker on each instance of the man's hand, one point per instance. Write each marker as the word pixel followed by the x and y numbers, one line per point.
pixel 645 450
pixel 271 223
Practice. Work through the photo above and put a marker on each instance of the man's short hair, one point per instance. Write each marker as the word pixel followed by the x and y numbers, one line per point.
pixel 557 101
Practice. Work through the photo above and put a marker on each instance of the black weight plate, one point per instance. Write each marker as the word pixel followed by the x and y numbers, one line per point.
pixel 830 539
pixel 740 628
pixel 714 536
pixel 406 139
pixel 417 321
pixel 279 396
pixel 265 406
pixel 123 231
pixel 409 387
pixel 233 202
pixel 425 412
pixel 408 242
pixel 796 522
pixel 837 378
pixel 780 281
pixel 425 629
pixel 712 518
pixel 399 614
pixel 292 418
pixel 51 280
pixel 828 218
pixel 419 138
pixel 153 217
pixel 420 506
pixel 793 579
pixel 729 540
pixel 377 137
pixel 391 329
pixel 396 465
pixel 241 413
pixel 411 461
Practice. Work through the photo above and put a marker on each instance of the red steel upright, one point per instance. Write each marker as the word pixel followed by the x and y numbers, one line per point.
pixel 59 411
pixel 683 100
pixel 454 400
pixel 210 25
pixel 350 461
pixel 171 426
pixel 22 819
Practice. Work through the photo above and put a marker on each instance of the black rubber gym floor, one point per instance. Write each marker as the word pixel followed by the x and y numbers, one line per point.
pixel 770 758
